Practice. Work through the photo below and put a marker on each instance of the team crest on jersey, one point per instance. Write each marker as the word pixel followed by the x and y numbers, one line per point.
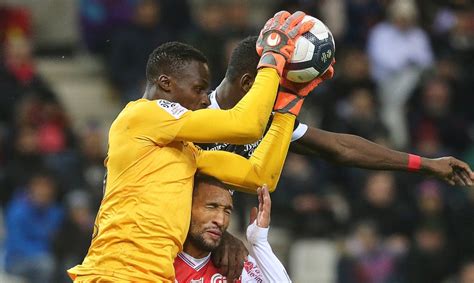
pixel 218 278
pixel 173 108
pixel 200 280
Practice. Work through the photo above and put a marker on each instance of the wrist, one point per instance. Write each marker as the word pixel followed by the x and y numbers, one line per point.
pixel 426 165
pixel 287 102
pixel 256 234
pixel 414 163
pixel 272 60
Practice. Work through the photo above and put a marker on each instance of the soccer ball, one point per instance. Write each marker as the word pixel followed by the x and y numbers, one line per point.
pixel 314 52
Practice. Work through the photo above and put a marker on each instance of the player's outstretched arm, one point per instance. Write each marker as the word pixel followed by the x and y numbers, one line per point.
pixel 263 167
pixel 356 151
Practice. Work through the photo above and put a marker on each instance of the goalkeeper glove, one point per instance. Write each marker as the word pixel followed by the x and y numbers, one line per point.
pixel 291 95
pixel 276 41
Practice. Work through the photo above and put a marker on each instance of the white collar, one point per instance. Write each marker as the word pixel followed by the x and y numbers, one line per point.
pixel 213 99
pixel 195 263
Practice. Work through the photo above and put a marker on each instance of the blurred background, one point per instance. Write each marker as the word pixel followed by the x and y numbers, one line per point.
pixel 404 78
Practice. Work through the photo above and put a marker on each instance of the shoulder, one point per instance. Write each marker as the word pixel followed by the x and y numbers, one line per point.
pixel 154 108
pixel 173 108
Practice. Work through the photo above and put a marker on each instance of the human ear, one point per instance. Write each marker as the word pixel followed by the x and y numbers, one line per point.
pixel 164 82
pixel 246 82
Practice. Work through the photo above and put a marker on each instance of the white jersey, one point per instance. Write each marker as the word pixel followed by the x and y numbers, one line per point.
pixel 247 149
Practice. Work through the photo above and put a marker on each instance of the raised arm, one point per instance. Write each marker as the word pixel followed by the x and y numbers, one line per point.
pixel 263 167
pixel 247 120
pixel 266 163
pixel 356 151
pixel 271 268
pixel 242 124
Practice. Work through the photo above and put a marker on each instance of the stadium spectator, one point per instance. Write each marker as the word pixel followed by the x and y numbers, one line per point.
pixel 353 73
pixel 19 77
pixel 461 223
pixel 130 47
pixel 431 209
pixel 359 116
pixel 92 155
pixel 301 204
pixel 42 137
pixel 395 67
pixel 32 219
pixel 379 204
pixel 77 229
pixel 368 260
pixel 434 116
pixel 25 161
pixel 99 18
pixel 431 259
pixel 209 35
pixel 14 20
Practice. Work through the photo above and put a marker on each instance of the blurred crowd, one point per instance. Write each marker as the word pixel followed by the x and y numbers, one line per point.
pixel 404 78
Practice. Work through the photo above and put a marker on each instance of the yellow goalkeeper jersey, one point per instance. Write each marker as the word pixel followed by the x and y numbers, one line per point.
pixel 145 214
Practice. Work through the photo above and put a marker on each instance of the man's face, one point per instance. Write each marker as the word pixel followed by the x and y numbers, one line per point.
pixel 190 89
pixel 210 216
pixel 42 191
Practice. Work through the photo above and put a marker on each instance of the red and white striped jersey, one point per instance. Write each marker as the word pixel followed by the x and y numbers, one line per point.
pixel 262 264
pixel 191 270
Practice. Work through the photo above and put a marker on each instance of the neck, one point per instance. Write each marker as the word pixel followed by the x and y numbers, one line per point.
pixel 226 96
pixel 194 251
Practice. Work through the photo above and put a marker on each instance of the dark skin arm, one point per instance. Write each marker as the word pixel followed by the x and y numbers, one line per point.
pixel 351 150
pixel 229 257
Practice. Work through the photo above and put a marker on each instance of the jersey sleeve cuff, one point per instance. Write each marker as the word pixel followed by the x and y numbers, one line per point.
pixel 257 234
pixel 299 132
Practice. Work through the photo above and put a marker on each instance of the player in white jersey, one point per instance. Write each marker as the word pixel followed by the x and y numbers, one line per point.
pixel 343 149
pixel 210 217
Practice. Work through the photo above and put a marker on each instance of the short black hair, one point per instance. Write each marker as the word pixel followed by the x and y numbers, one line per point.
pixel 206 179
pixel 171 57
pixel 244 59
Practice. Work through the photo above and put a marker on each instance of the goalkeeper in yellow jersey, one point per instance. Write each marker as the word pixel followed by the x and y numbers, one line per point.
pixel 145 213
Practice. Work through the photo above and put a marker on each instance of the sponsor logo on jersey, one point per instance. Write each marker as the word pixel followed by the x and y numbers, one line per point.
pixel 253 271
pixel 218 278
pixel 173 108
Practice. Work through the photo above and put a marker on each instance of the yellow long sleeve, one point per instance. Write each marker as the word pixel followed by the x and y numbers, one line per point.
pixel 263 167
pixel 242 124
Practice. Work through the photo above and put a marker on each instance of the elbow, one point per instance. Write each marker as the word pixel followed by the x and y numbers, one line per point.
pixel 255 129
pixel 272 182
pixel 255 126
pixel 256 132
pixel 271 188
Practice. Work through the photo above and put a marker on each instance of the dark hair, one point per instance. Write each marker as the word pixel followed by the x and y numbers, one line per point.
pixel 171 57
pixel 244 59
pixel 206 179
